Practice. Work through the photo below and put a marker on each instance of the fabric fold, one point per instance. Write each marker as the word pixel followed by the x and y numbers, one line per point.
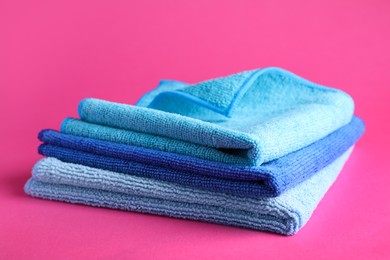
pixel 285 214
pixel 252 117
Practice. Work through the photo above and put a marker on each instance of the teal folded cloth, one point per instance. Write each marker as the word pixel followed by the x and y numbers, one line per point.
pixel 247 118
pixel 286 214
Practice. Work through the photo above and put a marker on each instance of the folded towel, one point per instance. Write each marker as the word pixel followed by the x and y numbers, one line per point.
pixel 286 214
pixel 247 118
pixel 267 180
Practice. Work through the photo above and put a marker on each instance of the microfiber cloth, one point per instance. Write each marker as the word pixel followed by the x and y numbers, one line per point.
pixel 247 118
pixel 267 180
pixel 286 214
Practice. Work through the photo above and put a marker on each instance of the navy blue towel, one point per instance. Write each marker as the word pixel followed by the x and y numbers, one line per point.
pixel 268 180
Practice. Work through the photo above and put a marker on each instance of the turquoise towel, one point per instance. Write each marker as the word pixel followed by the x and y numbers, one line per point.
pixel 285 214
pixel 247 118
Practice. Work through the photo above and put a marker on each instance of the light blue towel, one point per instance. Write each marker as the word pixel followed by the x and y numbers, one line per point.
pixel 246 118
pixel 286 214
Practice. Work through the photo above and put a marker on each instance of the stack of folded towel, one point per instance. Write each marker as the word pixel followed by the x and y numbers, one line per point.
pixel 257 149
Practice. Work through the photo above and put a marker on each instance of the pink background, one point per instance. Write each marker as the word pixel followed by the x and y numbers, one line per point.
pixel 54 53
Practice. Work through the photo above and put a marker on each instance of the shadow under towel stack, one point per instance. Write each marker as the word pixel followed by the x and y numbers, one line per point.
pixel 257 149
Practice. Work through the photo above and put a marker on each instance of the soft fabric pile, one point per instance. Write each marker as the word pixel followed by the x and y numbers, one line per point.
pixel 257 149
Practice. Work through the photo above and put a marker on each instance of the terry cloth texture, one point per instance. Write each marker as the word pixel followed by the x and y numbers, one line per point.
pixel 267 180
pixel 286 214
pixel 247 118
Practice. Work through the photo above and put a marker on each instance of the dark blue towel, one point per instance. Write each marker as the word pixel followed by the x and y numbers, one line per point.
pixel 267 180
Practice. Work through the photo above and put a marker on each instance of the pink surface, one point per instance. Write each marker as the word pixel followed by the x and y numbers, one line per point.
pixel 54 53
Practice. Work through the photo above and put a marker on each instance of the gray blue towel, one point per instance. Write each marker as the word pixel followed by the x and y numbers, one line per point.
pixel 285 214
pixel 247 118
